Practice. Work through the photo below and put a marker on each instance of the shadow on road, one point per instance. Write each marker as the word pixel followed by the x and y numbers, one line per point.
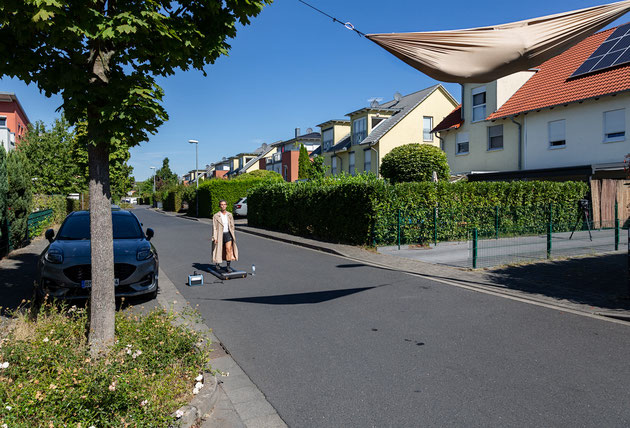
pixel 301 298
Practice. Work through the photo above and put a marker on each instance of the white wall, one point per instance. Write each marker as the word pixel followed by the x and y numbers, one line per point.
pixel 584 133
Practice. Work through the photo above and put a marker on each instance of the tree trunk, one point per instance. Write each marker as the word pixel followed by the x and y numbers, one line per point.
pixel 102 302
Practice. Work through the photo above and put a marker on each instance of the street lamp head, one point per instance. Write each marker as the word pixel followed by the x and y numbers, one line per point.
pixel 193 141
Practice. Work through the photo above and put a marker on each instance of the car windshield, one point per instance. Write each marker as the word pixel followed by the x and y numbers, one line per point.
pixel 78 227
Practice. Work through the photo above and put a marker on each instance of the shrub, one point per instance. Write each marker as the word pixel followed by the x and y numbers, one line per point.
pixel 57 203
pixel 361 210
pixel 414 162
pixel 260 173
pixel 4 188
pixel 48 377
pixel 19 197
pixel 174 197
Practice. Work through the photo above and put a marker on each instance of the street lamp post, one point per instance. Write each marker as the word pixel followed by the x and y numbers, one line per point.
pixel 196 143
pixel 153 168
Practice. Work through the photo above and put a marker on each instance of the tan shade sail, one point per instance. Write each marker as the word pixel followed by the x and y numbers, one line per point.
pixel 479 55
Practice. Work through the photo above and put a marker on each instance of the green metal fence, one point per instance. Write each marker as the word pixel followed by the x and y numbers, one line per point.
pixel 498 235
pixel 37 221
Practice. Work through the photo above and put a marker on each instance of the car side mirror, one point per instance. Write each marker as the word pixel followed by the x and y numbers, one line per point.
pixel 50 234
pixel 150 234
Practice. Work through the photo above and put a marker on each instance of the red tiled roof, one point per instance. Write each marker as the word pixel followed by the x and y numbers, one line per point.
pixel 550 87
pixel 452 120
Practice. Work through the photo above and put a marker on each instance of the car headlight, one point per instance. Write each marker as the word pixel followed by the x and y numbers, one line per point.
pixel 144 254
pixel 54 255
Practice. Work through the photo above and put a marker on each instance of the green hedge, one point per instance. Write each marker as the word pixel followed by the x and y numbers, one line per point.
pixel 363 210
pixel 212 191
pixel 57 203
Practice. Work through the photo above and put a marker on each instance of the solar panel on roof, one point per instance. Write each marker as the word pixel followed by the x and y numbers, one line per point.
pixel 614 51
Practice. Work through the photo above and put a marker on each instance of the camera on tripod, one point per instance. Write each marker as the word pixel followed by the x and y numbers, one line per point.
pixel 585 213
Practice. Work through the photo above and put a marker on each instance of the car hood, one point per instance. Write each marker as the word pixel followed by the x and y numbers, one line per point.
pixel 81 248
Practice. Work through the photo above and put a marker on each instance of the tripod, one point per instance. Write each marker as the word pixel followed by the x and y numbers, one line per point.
pixel 583 217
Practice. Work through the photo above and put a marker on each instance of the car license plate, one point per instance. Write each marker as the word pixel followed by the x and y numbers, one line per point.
pixel 88 283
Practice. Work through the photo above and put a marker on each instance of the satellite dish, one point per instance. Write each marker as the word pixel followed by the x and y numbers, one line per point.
pixel 398 96
pixel 374 104
pixel 264 145
pixel 309 130
pixel 224 158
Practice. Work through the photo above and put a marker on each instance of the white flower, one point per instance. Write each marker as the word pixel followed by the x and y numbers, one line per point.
pixel 179 414
pixel 136 354
pixel 72 308
pixel 199 385
pixel 144 402
pixel 112 387
pixel 4 426
pixel 4 365
pixel 195 391
pixel 8 407
pixel 45 340
pixel 199 378
pixel 91 426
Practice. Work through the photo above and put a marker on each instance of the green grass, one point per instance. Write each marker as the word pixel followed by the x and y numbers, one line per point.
pixel 47 377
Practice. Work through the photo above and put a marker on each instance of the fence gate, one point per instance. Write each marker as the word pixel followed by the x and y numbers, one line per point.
pixel 605 193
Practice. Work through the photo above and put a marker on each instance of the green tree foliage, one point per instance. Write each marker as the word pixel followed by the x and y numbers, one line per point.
pixel 164 177
pixel 19 196
pixel 51 154
pixel 414 162
pixel 103 58
pixel 318 168
pixel 4 188
pixel 304 164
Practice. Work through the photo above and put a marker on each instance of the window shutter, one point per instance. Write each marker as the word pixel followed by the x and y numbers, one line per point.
pixel 557 132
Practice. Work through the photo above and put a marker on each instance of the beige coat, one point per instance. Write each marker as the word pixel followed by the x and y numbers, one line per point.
pixel 217 236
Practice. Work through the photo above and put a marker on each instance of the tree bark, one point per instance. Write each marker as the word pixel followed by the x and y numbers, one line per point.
pixel 102 301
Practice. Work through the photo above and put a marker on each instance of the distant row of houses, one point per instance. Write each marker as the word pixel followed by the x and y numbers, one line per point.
pixel 352 146
pixel 546 123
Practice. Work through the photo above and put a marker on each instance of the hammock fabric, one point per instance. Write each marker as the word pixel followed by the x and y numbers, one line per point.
pixel 480 55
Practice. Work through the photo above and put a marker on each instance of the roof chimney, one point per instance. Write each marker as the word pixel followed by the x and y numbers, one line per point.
pixel 297 132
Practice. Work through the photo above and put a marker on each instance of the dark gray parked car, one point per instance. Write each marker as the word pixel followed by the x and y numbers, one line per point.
pixel 64 270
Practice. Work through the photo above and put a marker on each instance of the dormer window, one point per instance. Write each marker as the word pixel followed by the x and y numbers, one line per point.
pixel 479 104
pixel 328 138
pixel 359 130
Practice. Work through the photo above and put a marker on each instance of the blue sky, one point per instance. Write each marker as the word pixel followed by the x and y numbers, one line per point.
pixel 294 68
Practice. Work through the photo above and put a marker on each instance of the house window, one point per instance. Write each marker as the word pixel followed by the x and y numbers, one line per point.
pixel 367 160
pixel 427 127
pixel 614 125
pixel 495 137
pixel 334 165
pixel 376 120
pixel 359 130
pixel 351 164
pixel 3 122
pixel 479 103
pixel 557 133
pixel 327 138
pixel 462 143
pixel 286 173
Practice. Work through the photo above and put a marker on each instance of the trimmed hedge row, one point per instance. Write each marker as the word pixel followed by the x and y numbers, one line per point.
pixel 174 197
pixel 214 190
pixel 363 210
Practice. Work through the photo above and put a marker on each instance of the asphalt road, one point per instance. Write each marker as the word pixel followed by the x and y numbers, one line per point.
pixel 335 343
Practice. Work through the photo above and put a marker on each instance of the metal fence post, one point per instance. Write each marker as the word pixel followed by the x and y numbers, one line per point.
pixel 616 227
pixel 550 230
pixel 435 214
pixel 399 228
pixel 496 222
pixel 474 249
